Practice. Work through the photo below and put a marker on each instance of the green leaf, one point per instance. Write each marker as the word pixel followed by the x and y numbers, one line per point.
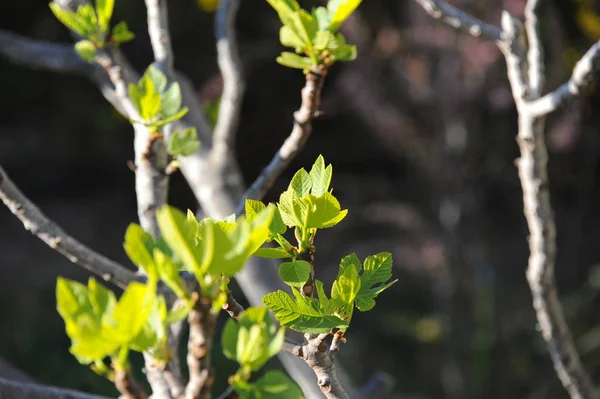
pixel 229 339
pixel 323 211
pixel 179 312
pixel 150 97
pixel 135 95
pixel 295 274
pixel 171 100
pixel 252 208
pixel 320 177
pixel 301 183
pixel 104 10
pixel 166 120
pixel 322 16
pixel 303 315
pixel 277 226
pixel 289 38
pixel 87 12
pixel 344 53
pixel 130 313
pixel 153 333
pixel 169 273
pixel 322 40
pixel 121 33
pixel 71 20
pixel 159 80
pixel 292 60
pixel 271 253
pixel 183 143
pixel 377 270
pixel 138 246
pixel 86 50
pixel 346 287
pixel 340 10
pixel 180 234
pixel 276 385
pixel 286 208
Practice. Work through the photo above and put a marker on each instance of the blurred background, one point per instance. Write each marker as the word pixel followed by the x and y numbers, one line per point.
pixel 421 132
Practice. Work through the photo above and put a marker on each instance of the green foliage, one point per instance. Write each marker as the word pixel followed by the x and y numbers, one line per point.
pixel 314 36
pixel 100 326
pixel 183 143
pixel 93 25
pixel 272 385
pixel 295 274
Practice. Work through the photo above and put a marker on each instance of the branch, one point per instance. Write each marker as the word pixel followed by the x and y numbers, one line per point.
pixel 233 84
pixel 580 79
pixel 46 230
pixel 202 330
pixel 20 390
pixel 39 54
pixel 309 109
pixel 158 29
pixel 128 387
pixel 535 54
pixel 232 307
pixel 452 16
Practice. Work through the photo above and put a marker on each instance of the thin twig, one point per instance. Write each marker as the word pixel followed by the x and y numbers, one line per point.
pixel 202 330
pixel 233 84
pixel 535 53
pixel 229 393
pixel 458 19
pixel 309 109
pixel 46 230
pixel 158 29
pixel 128 387
pixel 232 307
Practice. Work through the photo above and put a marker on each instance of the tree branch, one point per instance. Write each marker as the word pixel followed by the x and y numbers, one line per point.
pixel 309 109
pixel 46 230
pixel 128 387
pixel 458 19
pixel 23 390
pixel 233 85
pixel 535 53
pixel 158 29
pixel 202 330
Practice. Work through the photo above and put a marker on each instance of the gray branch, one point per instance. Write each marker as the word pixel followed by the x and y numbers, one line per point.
pixel 25 390
pixel 49 232
pixel 158 29
pixel 522 49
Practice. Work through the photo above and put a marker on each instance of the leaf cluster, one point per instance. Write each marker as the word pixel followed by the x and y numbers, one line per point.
pixel 314 35
pixel 251 341
pixel 93 25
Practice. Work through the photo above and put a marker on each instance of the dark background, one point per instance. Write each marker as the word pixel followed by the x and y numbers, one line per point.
pixel 420 130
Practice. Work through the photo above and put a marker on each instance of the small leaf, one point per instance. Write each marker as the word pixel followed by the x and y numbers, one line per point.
pixel 159 80
pixel 121 33
pixel 340 10
pixel 292 60
pixel 320 177
pixel 131 312
pixel 104 11
pixel 169 273
pixel 295 274
pixel 289 38
pixel 71 20
pixel 150 98
pixel 252 208
pixel 322 16
pixel 171 100
pixel 377 270
pixel 344 53
pixel 346 287
pixel 272 253
pixel 86 50
pixel 139 246
pixel 229 339
pixel 183 143
pixel 301 183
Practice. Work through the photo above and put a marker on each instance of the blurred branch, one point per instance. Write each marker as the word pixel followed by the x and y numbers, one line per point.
pixel 452 16
pixel 233 84
pixel 46 230
pixel 128 387
pixel 39 54
pixel 158 30
pixel 309 109
pixel 202 323
pixel 24 390
pixel 535 52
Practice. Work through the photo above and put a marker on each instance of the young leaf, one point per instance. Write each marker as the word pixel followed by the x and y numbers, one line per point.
pixel 252 208
pixel 320 177
pixel 292 60
pixel 138 246
pixel 150 97
pixel 71 20
pixel 346 287
pixel 153 333
pixel 121 33
pixel 295 274
pixel 323 18
pixel 377 271
pixel 171 100
pixel 301 183
pixel 289 38
pixel 276 385
pixel 159 80
pixel 277 226
pixel 183 143
pixel 286 208
pixel 86 50
pixel 104 11
pixel 323 211
pixel 130 313
pixel 271 253
pixel 304 315
pixel 340 10
pixel 169 273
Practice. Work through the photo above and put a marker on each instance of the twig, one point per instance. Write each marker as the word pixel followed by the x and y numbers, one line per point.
pixel 233 84
pixel 158 29
pixel 202 330
pixel 46 230
pixel 580 79
pixel 232 307
pixel 128 387
pixel 40 54
pixel 458 19
pixel 309 109
pixel 535 53
pixel 24 390
pixel 229 393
